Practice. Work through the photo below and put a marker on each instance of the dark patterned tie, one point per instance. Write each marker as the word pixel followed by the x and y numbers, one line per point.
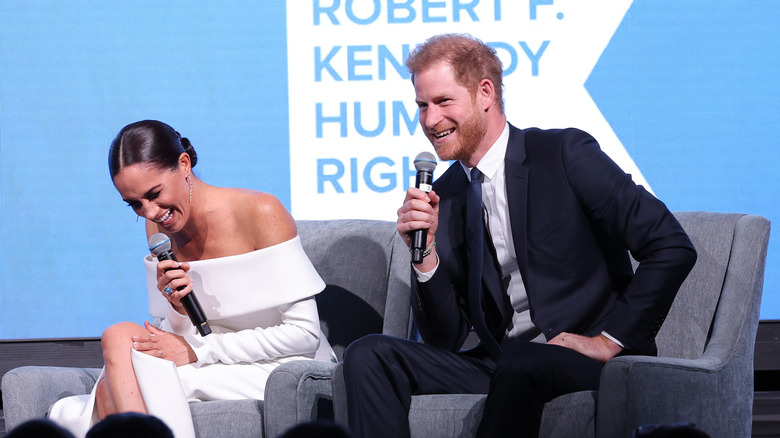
pixel 475 243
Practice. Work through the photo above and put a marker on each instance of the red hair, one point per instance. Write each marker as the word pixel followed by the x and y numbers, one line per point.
pixel 471 60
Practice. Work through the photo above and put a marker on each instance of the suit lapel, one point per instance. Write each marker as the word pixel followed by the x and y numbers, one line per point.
pixel 516 173
pixel 458 198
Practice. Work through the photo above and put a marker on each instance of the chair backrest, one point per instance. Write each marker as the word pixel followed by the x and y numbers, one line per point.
pixel 366 268
pixel 724 286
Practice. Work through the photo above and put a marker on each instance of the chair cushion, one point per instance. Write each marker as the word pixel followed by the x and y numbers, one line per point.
pixel 458 415
pixel 450 415
pixel 570 415
pixel 228 418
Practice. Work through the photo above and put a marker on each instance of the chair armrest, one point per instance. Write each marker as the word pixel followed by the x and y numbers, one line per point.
pixel 296 392
pixel 636 390
pixel 29 392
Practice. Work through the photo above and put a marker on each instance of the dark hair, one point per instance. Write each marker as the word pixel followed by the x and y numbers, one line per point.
pixel 130 425
pixel 471 60
pixel 39 427
pixel 150 142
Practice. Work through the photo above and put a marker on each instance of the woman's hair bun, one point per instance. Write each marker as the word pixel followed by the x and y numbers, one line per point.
pixel 185 142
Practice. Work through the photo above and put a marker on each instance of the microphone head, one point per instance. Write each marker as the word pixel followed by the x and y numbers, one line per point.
pixel 159 243
pixel 425 161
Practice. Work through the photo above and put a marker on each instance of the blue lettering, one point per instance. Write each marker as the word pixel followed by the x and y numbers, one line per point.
pixel 359 120
pixel 384 55
pixel 352 63
pixel 320 64
pixel 332 178
pixel 341 119
pixel 508 70
pixel 534 3
pixel 355 19
pixel 366 12
pixel 469 7
pixel 534 57
pixel 328 10
pixel 359 67
pixel 389 177
pixel 332 171
pixel 353 173
pixel 399 112
pixel 497 10
pixel 392 6
pixel 427 6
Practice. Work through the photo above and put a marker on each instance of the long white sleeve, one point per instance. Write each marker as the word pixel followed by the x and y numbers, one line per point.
pixel 298 334
pixel 260 306
pixel 175 322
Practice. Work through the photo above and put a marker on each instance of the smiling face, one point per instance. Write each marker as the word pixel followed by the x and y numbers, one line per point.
pixel 449 114
pixel 158 194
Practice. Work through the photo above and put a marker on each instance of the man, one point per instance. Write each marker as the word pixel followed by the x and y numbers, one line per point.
pixel 555 296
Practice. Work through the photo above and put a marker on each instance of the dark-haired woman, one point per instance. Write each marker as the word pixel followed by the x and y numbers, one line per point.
pixel 239 252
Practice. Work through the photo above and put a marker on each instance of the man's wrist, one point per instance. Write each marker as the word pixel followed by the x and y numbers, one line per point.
pixel 428 250
pixel 427 268
pixel 611 345
pixel 612 338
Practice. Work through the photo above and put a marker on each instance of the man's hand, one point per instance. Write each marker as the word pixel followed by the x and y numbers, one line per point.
pixel 600 348
pixel 420 211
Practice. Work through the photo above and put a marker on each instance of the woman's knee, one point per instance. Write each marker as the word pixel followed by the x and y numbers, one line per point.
pixel 120 335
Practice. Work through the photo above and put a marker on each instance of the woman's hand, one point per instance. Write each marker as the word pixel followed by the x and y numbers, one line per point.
pixel 164 345
pixel 174 282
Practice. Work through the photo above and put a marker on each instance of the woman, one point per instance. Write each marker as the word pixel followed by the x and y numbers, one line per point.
pixel 239 254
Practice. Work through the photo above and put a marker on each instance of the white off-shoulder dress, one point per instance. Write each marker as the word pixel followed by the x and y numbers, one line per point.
pixel 261 309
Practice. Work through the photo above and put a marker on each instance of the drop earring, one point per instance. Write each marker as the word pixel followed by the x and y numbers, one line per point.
pixel 190 184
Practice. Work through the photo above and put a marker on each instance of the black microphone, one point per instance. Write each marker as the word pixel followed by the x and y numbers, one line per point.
pixel 160 247
pixel 425 163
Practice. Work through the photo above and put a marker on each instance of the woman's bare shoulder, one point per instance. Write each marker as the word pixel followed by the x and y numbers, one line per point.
pixel 263 216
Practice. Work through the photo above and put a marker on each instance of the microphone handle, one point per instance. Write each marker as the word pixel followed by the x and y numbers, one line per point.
pixel 420 237
pixel 190 302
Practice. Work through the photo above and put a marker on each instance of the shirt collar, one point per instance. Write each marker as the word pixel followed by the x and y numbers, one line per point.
pixel 491 162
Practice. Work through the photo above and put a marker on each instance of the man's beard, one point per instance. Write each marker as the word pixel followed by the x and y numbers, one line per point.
pixel 470 133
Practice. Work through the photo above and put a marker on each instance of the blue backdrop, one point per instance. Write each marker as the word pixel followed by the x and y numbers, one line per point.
pixel 691 88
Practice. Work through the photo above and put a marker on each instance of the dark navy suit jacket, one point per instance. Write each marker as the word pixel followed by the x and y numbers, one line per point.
pixel 575 216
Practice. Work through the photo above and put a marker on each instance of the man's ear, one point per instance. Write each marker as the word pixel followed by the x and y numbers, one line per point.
pixel 486 94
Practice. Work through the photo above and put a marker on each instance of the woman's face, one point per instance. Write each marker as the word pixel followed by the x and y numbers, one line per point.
pixel 159 195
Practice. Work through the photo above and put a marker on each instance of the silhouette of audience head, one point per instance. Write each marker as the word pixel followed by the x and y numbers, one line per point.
pixel 39 428
pixel 130 425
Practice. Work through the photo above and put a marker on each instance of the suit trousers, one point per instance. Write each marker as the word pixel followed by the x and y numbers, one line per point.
pixel 382 373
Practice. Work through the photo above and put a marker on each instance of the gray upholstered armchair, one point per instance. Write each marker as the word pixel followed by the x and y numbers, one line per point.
pixel 366 268
pixel 704 370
